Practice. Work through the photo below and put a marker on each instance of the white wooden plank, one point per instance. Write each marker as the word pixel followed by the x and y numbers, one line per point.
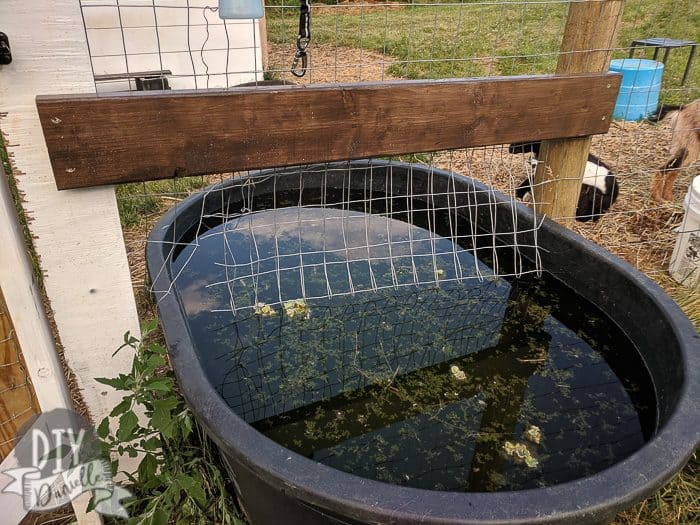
pixel 27 311
pixel 77 233
pixel 32 332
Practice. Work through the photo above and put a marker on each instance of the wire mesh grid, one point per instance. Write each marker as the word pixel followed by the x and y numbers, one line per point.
pixel 263 267
pixel 371 338
pixel 185 43
pixel 17 398
pixel 179 44
pixel 344 228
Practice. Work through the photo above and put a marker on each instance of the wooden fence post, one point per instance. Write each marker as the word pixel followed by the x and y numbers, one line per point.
pixel 262 31
pixel 589 37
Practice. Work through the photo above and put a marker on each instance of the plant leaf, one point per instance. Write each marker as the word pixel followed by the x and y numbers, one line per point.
pixel 147 468
pixel 91 504
pixel 148 327
pixel 123 382
pixel 155 361
pixel 160 384
pixel 193 489
pixel 178 480
pixel 162 419
pixel 127 424
pixel 159 516
pixel 103 428
pixel 151 444
pixel 121 407
pixel 186 425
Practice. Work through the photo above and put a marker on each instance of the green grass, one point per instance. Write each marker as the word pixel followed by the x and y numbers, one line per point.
pixel 480 38
pixel 139 200
pixel 666 18
pixel 22 218
pixel 438 42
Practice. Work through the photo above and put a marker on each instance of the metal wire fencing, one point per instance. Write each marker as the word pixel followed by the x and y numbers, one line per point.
pixel 275 274
pixel 140 44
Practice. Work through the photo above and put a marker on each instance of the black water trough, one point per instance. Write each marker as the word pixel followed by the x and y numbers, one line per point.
pixel 279 487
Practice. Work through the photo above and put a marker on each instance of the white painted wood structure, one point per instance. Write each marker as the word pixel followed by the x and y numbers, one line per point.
pixel 31 329
pixel 28 316
pixel 77 234
pixel 57 48
pixel 185 37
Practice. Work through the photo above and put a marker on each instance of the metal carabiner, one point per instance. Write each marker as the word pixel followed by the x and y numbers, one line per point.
pixel 303 42
pixel 296 70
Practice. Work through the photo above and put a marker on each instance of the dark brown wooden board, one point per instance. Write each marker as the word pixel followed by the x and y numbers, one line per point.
pixel 106 139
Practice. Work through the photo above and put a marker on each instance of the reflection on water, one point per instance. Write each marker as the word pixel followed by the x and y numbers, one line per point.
pixel 427 378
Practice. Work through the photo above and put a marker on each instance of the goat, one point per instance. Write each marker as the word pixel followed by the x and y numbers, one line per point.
pixel 684 150
pixel 599 187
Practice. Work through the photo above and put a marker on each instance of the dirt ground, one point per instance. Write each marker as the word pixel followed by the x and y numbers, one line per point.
pixel 330 64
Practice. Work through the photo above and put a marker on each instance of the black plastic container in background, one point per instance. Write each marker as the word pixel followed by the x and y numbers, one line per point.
pixel 279 487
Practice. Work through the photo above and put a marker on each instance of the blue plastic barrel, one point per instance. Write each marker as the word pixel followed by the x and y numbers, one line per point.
pixel 639 92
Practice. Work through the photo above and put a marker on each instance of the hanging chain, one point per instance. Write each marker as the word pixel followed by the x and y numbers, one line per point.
pixel 303 39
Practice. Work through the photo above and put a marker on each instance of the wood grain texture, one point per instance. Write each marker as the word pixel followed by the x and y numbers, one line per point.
pixel 17 398
pixel 589 38
pixel 94 140
pixel 562 163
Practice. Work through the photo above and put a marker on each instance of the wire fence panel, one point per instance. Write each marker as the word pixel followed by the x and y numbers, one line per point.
pixel 17 399
pixel 189 46
pixel 256 233
pixel 182 41
pixel 328 247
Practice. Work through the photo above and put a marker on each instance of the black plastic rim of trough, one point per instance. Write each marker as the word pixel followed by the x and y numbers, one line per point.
pixel 586 500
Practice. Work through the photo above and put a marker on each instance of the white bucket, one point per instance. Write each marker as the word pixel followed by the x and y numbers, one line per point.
pixel 685 261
